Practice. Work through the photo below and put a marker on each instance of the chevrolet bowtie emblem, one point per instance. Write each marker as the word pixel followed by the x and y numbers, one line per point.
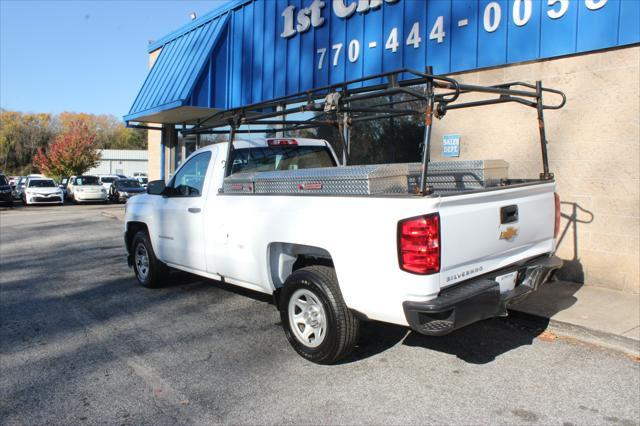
pixel 509 233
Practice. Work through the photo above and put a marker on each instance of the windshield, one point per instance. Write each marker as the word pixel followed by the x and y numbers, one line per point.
pixel 143 180
pixel 273 158
pixel 107 179
pixel 42 183
pixel 86 180
pixel 3 180
pixel 128 183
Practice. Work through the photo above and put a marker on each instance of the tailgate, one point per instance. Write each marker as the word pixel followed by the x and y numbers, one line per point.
pixel 482 232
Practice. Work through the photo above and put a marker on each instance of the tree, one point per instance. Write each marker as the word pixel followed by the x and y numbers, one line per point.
pixel 20 137
pixel 110 132
pixel 72 152
pixel 22 134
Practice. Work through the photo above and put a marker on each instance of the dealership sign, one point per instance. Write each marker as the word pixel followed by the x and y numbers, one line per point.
pixel 451 146
pixel 312 15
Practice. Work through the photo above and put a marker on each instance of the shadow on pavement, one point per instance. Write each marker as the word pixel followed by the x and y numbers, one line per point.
pixel 478 343
pixel 484 341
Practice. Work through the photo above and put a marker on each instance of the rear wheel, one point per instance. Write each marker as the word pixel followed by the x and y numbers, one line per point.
pixel 149 271
pixel 315 318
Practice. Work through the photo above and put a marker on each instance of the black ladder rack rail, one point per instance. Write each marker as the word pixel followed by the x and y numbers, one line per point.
pixel 421 94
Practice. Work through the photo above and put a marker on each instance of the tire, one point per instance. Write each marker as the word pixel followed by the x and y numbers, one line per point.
pixel 339 335
pixel 151 273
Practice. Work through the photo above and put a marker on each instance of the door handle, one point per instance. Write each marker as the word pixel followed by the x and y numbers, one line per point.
pixel 194 209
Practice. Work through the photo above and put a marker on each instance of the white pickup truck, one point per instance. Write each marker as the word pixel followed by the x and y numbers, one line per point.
pixel 336 245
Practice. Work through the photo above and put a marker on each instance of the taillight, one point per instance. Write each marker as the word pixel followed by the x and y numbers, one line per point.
pixel 279 142
pixel 419 244
pixel 556 230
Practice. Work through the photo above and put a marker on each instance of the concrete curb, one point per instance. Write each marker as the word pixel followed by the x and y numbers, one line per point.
pixel 612 341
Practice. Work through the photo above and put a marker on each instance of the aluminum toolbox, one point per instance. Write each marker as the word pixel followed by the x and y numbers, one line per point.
pixel 444 177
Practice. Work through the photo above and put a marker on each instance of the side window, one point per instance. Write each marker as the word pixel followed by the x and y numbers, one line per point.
pixel 189 180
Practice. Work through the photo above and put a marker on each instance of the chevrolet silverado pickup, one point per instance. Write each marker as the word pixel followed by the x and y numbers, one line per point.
pixel 339 244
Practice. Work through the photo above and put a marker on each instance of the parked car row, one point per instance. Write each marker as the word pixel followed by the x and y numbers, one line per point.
pixel 38 189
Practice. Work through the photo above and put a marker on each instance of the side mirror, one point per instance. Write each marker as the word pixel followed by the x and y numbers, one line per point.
pixel 156 187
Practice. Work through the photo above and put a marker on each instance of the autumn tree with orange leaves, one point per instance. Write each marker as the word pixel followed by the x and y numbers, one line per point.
pixel 72 152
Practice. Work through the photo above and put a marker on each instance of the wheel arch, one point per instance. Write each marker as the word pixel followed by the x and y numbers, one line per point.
pixel 285 258
pixel 132 228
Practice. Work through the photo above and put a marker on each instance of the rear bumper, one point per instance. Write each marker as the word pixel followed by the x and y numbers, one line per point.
pixel 477 299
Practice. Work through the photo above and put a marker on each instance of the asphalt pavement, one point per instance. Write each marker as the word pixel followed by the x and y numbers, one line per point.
pixel 80 343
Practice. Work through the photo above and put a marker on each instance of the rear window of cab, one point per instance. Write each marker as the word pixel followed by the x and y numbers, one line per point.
pixel 276 158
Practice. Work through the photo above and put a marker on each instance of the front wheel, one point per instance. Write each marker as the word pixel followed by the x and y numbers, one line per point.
pixel 150 272
pixel 315 318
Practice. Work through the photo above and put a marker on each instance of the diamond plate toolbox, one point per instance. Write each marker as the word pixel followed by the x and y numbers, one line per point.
pixel 444 177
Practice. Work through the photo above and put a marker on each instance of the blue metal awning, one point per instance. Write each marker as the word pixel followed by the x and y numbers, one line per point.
pixel 166 93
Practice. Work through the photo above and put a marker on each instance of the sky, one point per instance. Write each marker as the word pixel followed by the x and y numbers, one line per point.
pixel 82 56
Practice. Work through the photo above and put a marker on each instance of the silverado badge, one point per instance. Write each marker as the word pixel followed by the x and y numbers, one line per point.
pixel 509 233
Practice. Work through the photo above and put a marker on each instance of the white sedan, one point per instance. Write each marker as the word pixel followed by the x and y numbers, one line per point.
pixel 86 188
pixel 41 191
